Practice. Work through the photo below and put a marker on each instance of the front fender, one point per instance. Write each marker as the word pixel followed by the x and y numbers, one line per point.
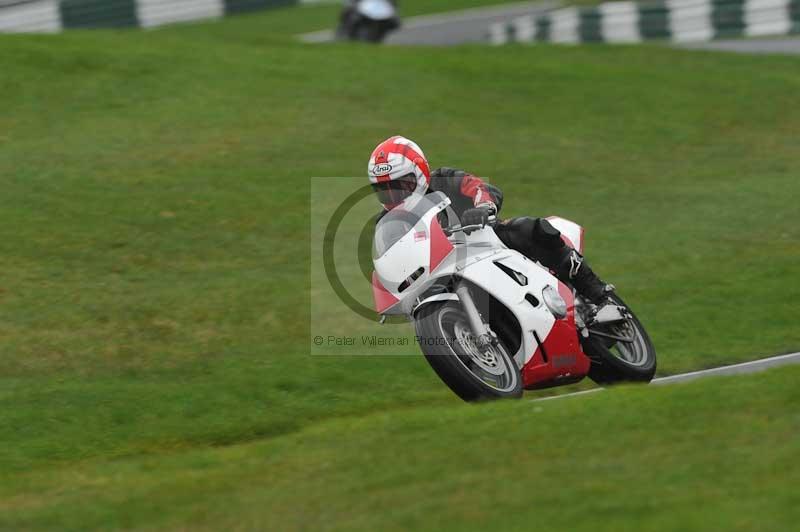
pixel 447 296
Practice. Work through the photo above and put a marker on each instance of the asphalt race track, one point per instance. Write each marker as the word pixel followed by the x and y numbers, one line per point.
pixel 471 26
pixel 455 27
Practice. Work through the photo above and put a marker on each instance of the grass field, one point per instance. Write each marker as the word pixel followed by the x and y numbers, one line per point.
pixel 154 320
pixel 635 459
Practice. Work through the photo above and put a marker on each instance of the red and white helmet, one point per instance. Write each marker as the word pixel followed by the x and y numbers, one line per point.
pixel 397 169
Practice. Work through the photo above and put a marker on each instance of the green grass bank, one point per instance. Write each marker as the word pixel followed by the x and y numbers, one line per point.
pixel 154 243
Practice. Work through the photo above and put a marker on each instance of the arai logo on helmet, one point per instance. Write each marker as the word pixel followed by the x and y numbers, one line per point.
pixel 382 169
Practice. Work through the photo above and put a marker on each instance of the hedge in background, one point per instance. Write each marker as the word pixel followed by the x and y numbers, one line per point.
pixel 241 6
pixel 55 15
pixel 98 13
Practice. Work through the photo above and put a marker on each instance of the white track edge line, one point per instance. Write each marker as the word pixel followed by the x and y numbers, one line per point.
pixel 765 362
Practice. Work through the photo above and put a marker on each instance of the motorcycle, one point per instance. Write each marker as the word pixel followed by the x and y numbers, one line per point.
pixel 367 20
pixel 490 321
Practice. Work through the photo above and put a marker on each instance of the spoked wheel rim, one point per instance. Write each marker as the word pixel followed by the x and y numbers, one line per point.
pixel 634 353
pixel 491 365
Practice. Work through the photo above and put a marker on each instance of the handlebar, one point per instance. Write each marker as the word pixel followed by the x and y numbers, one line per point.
pixel 469 228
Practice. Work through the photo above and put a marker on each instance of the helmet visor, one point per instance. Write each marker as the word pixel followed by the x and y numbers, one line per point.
pixel 395 191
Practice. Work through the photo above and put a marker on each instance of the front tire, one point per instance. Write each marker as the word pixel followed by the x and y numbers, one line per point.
pixel 615 361
pixel 473 373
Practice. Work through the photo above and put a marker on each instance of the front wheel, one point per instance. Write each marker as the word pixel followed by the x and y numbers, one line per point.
pixel 474 373
pixel 620 352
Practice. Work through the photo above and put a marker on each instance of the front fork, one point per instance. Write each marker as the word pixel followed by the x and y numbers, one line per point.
pixel 484 336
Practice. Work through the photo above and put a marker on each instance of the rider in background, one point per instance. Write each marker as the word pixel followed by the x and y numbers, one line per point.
pixel 367 20
pixel 398 168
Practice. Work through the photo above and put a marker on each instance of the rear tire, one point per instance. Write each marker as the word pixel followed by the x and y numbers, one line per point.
pixel 472 374
pixel 616 362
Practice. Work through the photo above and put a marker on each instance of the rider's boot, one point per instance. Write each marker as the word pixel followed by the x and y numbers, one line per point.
pixel 575 268
pixel 537 239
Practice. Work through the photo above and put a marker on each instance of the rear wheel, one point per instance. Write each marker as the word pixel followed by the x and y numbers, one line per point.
pixel 620 352
pixel 473 372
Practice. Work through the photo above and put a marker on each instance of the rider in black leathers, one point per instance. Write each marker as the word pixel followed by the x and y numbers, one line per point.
pixel 536 238
pixel 398 167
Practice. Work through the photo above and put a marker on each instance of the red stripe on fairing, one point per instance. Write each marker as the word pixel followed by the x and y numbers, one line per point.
pixel 566 359
pixel 566 239
pixel 569 298
pixel 383 299
pixel 440 245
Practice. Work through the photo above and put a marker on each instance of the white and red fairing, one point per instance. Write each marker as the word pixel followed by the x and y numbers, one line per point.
pixel 571 233
pixel 559 357
pixel 423 245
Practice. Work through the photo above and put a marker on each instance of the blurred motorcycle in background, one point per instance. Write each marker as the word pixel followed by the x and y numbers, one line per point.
pixel 367 20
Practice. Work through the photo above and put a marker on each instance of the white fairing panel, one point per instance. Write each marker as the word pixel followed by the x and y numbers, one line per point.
pixel 571 231
pixel 484 273
pixel 408 253
pixel 402 259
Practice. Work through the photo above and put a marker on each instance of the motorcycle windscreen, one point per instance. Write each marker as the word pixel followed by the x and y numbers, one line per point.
pixel 399 221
